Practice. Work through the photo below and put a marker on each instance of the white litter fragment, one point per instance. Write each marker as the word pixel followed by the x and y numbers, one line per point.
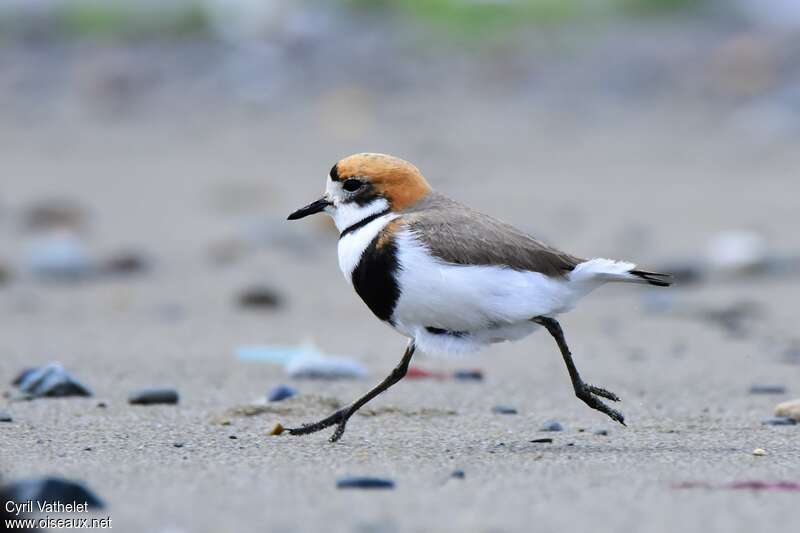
pixel 304 361
pixel 325 368
pixel 738 251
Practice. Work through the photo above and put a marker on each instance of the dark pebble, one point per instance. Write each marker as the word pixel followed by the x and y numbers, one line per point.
pixel 51 490
pixel 552 425
pixel 546 440
pixel 5 416
pixel 153 395
pixel 364 483
pixel 468 375
pixel 458 474
pixel 767 389
pixel 260 297
pixel 779 421
pixel 504 410
pixel 102 405
pixel 125 263
pixel 602 432
pixel 178 445
pixel 233 437
pixel 54 213
pixel 281 392
pixel 50 381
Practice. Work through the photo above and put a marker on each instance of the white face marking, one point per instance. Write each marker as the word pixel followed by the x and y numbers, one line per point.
pixel 345 213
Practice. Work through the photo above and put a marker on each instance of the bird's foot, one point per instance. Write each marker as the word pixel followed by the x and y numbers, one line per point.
pixel 589 394
pixel 339 418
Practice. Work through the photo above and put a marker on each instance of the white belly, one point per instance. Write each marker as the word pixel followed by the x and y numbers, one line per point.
pixel 486 303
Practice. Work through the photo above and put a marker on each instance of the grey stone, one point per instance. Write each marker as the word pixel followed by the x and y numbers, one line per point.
pixel 363 482
pixel 153 395
pixel 767 389
pixel 779 421
pixel 552 425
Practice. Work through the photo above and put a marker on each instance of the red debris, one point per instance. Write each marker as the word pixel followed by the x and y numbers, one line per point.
pixel 415 372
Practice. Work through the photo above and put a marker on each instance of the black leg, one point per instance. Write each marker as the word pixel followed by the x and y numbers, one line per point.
pixel 341 416
pixel 584 391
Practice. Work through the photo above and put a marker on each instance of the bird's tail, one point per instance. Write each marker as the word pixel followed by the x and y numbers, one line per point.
pixel 652 278
pixel 621 271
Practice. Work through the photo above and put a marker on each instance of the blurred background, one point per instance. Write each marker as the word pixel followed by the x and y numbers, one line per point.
pixel 151 150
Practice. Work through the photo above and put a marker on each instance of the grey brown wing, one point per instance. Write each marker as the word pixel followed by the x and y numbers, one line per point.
pixel 460 235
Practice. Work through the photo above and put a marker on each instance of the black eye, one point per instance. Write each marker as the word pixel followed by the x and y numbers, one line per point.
pixel 351 185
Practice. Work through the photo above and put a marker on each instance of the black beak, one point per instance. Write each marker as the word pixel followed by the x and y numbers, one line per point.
pixel 310 209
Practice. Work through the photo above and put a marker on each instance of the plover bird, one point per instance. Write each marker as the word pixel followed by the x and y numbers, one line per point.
pixel 449 278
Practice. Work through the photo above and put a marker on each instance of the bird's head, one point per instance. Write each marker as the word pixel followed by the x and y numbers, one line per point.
pixel 362 185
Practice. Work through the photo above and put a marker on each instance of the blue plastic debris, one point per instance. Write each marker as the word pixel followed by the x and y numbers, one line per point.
pixel 51 381
pixel 280 393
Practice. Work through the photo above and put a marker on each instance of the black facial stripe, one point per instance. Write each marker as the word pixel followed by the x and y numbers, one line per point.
pixel 374 278
pixel 363 222
pixel 335 173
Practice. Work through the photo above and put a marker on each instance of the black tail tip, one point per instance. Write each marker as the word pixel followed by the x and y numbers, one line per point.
pixel 654 278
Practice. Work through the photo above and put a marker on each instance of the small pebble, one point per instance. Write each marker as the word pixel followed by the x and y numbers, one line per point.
pixel 767 389
pixel 759 452
pixel 178 445
pixel 504 410
pixel 602 432
pixel 779 421
pixel 552 425
pixel 125 263
pixel 54 213
pixel 276 430
pixel 102 405
pixel 260 297
pixel 468 375
pixel 545 440
pixel 458 474
pixel 153 395
pixel 5 416
pixel 364 483
pixel 50 381
pixel 281 392
pixel 233 437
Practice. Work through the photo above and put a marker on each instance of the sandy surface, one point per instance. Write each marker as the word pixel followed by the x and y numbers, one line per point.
pixel 650 184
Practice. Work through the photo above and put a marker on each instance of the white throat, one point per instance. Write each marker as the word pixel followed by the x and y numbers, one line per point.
pixel 346 214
